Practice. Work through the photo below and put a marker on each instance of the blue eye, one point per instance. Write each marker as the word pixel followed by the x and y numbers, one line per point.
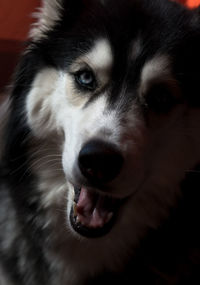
pixel 86 79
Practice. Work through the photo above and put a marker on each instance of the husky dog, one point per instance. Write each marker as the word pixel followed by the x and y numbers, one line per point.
pixel 96 138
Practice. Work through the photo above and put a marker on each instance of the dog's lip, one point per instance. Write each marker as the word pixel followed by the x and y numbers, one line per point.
pixel 93 213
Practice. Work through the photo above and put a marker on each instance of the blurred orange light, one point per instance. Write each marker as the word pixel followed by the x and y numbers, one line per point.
pixel 190 3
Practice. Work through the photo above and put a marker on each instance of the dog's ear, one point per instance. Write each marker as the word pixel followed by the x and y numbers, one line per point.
pixel 51 11
pixel 46 16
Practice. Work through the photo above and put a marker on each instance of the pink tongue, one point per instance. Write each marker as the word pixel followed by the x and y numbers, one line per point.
pixel 91 210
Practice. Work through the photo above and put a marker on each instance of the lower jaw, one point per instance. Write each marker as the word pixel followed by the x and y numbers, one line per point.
pixel 90 232
pixel 94 232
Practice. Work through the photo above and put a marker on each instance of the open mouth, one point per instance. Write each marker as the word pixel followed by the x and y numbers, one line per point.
pixel 93 214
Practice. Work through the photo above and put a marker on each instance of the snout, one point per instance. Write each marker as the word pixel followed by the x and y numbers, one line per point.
pixel 94 212
pixel 100 162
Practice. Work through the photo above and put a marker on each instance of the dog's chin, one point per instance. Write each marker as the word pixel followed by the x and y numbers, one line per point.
pixel 93 213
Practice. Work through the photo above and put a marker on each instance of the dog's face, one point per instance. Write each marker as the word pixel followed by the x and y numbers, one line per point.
pixel 110 94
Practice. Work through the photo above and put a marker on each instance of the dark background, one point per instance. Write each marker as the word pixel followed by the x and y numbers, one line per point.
pixel 15 21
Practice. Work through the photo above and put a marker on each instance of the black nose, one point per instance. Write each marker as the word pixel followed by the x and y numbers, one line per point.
pixel 99 161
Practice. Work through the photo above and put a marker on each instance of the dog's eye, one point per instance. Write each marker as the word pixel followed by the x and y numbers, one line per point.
pixel 86 79
pixel 160 98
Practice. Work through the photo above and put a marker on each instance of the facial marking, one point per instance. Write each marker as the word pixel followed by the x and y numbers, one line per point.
pixel 155 70
pixel 159 90
pixel 100 57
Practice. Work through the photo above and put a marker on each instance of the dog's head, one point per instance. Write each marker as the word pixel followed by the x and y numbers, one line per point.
pixel 115 88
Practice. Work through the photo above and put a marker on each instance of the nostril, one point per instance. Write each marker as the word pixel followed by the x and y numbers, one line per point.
pixel 99 161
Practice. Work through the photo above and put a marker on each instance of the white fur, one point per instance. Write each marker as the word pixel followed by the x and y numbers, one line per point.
pixel 40 109
pixel 154 70
pixel 47 16
pixel 100 57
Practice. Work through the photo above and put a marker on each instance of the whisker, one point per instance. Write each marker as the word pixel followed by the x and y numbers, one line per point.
pixel 40 165
pixel 44 162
